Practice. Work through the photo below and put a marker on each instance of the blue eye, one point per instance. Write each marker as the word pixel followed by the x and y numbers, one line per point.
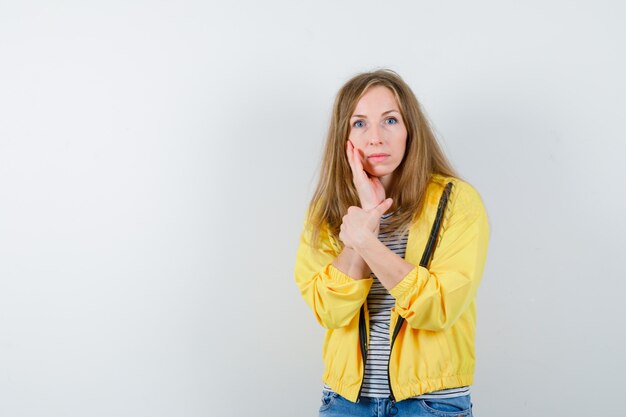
pixel 392 121
pixel 358 123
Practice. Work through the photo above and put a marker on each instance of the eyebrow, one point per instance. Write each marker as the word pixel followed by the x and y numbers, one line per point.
pixel 365 117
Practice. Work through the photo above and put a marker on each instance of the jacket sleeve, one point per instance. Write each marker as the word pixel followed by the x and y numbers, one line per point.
pixel 434 298
pixel 334 297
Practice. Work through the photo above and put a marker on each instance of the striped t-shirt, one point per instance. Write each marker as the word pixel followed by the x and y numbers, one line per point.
pixel 380 303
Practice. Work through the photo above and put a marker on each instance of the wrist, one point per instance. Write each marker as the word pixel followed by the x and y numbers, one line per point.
pixel 366 242
pixel 350 263
pixel 368 207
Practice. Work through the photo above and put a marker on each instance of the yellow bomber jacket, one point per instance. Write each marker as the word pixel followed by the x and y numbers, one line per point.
pixel 435 308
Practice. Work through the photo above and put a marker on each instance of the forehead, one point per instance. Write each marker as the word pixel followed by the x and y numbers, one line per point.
pixel 376 99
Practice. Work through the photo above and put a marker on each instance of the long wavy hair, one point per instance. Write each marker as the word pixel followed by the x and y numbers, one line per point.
pixel 335 191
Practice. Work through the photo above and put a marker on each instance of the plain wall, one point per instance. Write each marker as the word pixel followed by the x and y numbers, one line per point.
pixel 156 160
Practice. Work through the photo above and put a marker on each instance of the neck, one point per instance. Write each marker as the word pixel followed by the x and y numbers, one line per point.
pixel 386 181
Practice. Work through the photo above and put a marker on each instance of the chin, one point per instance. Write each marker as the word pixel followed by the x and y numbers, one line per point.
pixel 378 172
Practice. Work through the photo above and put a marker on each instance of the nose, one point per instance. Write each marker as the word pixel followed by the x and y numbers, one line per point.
pixel 375 135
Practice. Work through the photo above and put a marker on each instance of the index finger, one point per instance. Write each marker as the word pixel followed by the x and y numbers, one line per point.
pixel 349 148
pixel 354 160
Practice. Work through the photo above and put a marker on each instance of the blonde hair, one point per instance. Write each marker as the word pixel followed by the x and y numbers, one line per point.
pixel 335 191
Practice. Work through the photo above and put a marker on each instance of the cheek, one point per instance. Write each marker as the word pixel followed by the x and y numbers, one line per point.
pixel 354 138
pixel 362 156
pixel 403 148
pixel 357 145
pixel 402 139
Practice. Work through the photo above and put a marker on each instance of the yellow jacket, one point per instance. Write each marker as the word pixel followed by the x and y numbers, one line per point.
pixel 434 348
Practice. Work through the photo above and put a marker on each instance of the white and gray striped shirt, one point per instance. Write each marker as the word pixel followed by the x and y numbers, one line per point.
pixel 380 303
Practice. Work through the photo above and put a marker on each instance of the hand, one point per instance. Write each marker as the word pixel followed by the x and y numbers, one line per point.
pixel 359 225
pixel 369 188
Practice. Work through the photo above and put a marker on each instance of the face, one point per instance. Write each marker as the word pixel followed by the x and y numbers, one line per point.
pixel 378 131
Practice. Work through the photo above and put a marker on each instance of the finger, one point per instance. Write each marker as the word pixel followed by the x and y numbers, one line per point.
pixel 359 175
pixel 383 207
pixel 349 152
pixel 356 156
pixel 352 160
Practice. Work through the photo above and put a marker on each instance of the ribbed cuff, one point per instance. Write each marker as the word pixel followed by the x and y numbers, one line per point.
pixel 409 281
pixel 341 278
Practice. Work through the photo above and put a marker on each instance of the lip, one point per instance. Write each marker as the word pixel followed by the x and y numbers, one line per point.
pixel 378 157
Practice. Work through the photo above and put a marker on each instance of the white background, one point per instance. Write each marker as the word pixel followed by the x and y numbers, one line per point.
pixel 156 160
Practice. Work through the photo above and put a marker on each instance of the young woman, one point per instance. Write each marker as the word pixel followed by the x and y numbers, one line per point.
pixel 390 258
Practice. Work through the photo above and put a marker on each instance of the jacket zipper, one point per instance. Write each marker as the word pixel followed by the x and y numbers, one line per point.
pixel 363 344
pixel 434 231
pixel 396 330
pixel 426 257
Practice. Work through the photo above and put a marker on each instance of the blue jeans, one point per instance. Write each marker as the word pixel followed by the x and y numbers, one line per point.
pixel 334 405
